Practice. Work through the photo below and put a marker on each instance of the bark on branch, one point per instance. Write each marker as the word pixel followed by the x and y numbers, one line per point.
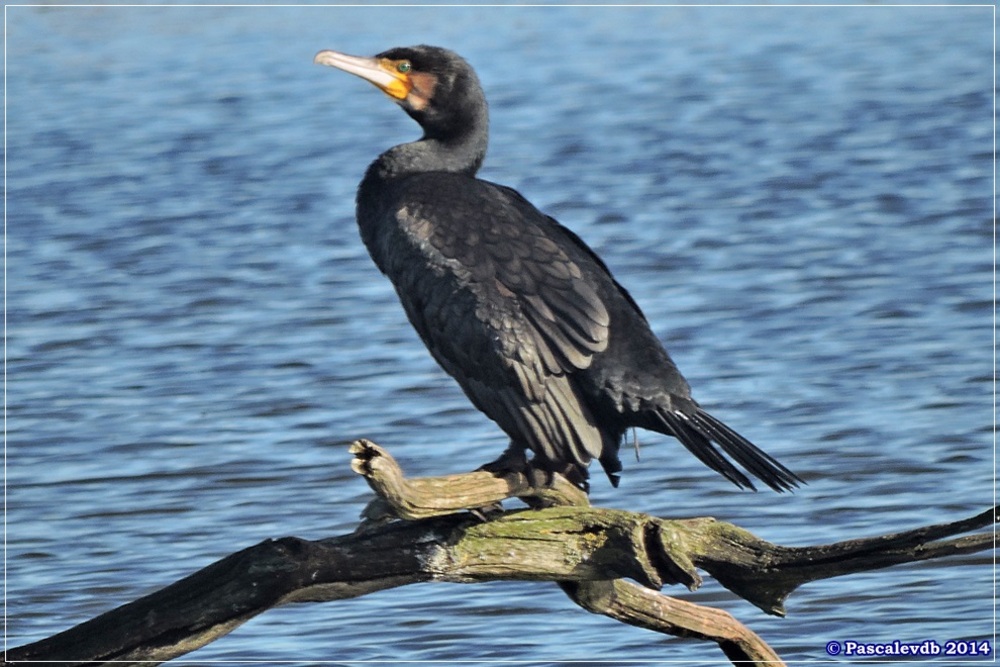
pixel 588 551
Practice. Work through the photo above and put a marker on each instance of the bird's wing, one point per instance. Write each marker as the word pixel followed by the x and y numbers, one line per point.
pixel 508 310
pixel 528 255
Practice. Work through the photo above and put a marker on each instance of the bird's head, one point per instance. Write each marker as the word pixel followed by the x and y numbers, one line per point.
pixel 435 86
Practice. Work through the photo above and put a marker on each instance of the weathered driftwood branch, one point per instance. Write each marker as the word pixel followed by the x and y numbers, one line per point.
pixel 630 603
pixel 760 572
pixel 588 551
pixel 425 497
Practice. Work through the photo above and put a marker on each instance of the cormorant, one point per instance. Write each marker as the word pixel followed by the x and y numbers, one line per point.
pixel 514 306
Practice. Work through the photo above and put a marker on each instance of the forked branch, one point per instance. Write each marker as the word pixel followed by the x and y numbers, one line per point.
pixel 588 551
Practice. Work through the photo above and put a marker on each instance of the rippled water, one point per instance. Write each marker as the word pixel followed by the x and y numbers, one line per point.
pixel 799 198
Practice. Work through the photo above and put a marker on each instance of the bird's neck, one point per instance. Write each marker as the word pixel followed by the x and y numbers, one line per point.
pixel 391 169
pixel 460 155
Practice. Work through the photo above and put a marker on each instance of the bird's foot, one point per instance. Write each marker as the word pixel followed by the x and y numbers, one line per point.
pixel 513 460
pixel 539 475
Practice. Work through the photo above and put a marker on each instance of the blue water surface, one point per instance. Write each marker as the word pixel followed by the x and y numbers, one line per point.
pixel 798 197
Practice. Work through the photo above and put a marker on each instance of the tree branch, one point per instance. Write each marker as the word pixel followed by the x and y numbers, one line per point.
pixel 635 605
pixel 423 497
pixel 588 551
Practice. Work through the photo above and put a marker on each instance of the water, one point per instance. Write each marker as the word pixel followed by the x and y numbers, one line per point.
pixel 799 198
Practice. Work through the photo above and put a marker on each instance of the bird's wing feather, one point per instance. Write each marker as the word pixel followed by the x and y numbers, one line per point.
pixel 552 290
pixel 508 313
pixel 580 246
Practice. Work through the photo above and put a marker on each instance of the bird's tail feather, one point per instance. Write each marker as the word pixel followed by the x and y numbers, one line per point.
pixel 697 430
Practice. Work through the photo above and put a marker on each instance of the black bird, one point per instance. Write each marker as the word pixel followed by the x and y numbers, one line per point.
pixel 514 306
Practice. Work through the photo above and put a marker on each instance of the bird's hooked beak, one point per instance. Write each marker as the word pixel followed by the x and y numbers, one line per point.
pixel 389 76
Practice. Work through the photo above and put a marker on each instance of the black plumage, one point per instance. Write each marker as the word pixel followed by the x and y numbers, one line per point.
pixel 510 303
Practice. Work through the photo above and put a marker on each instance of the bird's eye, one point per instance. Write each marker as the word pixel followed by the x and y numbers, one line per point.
pixel 403 67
